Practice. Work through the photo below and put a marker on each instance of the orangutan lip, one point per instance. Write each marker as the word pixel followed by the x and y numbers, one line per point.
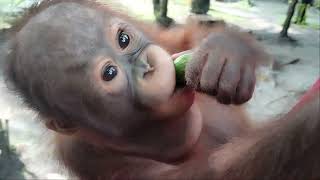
pixel 176 105
pixel 185 92
pixel 182 88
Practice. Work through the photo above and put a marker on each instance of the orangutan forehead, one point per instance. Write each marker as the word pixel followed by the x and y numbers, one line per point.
pixel 65 25
pixel 56 7
pixel 67 12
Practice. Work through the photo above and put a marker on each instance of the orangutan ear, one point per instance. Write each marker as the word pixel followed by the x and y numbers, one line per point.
pixel 66 128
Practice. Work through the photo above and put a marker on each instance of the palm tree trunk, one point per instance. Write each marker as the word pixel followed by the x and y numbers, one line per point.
pixel 160 9
pixel 287 22
pixel 200 6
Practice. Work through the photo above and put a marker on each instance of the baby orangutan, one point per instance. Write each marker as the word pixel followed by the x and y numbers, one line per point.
pixel 105 83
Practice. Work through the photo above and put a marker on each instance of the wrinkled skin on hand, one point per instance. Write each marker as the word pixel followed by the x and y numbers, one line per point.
pixel 224 66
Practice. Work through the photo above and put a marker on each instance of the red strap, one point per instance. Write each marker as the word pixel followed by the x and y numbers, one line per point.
pixel 314 89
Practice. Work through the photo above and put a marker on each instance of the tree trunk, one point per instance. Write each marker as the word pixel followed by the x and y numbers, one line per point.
pixel 160 8
pixel 301 14
pixel 286 25
pixel 250 2
pixel 200 6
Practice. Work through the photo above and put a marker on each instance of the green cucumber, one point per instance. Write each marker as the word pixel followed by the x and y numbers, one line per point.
pixel 180 67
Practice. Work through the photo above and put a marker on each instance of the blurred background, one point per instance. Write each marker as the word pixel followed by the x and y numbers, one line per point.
pixel 289 31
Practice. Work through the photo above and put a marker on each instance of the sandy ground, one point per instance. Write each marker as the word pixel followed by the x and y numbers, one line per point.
pixel 276 91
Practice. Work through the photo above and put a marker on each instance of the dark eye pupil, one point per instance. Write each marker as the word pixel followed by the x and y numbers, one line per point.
pixel 109 73
pixel 123 40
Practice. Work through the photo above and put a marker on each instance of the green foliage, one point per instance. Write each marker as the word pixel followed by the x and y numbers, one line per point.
pixel 227 17
pixel 182 2
pixel 317 4
pixel 11 9
pixel 242 5
pixel 311 25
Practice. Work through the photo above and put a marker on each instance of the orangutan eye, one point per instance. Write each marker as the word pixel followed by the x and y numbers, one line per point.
pixel 109 72
pixel 123 40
